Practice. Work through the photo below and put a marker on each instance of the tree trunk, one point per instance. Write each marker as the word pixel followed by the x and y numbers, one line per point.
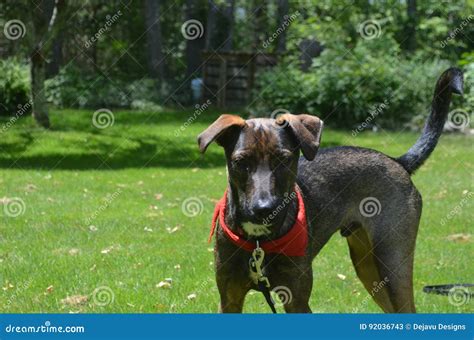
pixel 193 46
pixel 258 24
pixel 54 65
pixel 43 20
pixel 229 21
pixel 155 58
pixel 48 18
pixel 411 25
pixel 40 105
pixel 211 25
pixel 282 16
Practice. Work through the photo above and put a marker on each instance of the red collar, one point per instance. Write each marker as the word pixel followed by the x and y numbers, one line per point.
pixel 291 244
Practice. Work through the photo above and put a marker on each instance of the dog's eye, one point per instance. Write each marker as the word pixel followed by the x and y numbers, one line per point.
pixel 282 161
pixel 240 164
pixel 285 158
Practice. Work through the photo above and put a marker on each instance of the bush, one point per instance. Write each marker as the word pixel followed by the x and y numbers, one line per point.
pixel 14 86
pixel 72 88
pixel 144 90
pixel 467 63
pixel 346 87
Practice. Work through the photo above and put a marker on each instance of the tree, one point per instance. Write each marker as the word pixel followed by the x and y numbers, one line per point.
pixel 193 46
pixel 220 25
pixel 411 25
pixel 282 16
pixel 211 24
pixel 259 10
pixel 47 18
pixel 154 44
pixel 229 25
pixel 56 59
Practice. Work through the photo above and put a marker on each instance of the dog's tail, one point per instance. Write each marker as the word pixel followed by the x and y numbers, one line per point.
pixel 451 81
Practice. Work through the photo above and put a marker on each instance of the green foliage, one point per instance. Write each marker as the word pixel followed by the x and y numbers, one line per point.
pixel 467 62
pixel 72 88
pixel 343 86
pixel 14 86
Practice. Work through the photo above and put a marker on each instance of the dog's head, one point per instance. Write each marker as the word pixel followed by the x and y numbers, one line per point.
pixel 262 158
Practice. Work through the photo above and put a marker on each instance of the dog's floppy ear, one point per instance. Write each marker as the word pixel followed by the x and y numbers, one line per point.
pixel 218 130
pixel 307 130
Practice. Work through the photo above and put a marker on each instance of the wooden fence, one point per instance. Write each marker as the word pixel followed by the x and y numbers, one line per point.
pixel 229 77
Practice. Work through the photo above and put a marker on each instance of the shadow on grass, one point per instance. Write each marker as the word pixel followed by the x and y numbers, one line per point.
pixel 155 152
pixel 137 140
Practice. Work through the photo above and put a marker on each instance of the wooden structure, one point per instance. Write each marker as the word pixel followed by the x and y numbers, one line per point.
pixel 229 77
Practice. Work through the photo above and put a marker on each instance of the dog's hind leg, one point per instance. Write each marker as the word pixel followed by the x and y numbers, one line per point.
pixel 394 257
pixel 366 267
pixel 385 266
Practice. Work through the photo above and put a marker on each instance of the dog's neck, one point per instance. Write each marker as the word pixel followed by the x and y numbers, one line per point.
pixel 281 223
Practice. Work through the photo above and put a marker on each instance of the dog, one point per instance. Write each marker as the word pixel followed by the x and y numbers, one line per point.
pixel 364 194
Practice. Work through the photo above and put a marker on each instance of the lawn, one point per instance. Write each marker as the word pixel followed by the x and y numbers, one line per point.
pixel 102 222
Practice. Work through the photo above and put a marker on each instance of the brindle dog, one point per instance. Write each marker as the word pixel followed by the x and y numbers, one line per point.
pixel 263 166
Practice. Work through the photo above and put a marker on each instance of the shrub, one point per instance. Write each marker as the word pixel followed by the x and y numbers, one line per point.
pixel 467 63
pixel 14 86
pixel 72 88
pixel 344 87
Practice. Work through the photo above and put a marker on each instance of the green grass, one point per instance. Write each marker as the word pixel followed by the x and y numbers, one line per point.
pixel 132 179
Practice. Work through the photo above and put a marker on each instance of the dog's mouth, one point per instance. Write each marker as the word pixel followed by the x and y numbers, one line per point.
pixel 256 230
pixel 257 226
pixel 265 221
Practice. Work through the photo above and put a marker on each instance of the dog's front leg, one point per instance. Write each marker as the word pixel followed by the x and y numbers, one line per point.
pixel 293 288
pixel 232 295
pixel 299 306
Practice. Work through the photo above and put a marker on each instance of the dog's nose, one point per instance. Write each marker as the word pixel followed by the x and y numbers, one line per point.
pixel 263 208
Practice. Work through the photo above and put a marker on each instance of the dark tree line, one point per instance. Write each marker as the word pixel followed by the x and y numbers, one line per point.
pixel 146 40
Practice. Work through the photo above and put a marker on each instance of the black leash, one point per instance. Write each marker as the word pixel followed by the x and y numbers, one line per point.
pixel 266 293
pixel 457 288
pixel 255 267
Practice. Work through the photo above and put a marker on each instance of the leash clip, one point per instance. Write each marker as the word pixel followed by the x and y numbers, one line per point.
pixel 255 265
